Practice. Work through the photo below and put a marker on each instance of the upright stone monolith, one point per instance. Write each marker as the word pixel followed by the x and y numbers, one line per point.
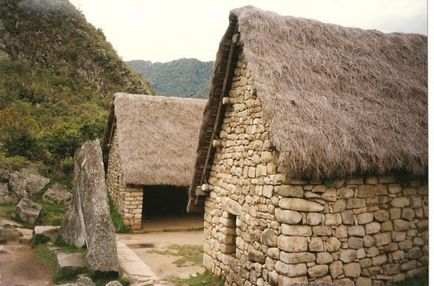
pixel 88 220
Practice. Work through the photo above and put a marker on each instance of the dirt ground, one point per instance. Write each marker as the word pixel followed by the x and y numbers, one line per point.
pixel 145 246
pixel 172 223
pixel 20 267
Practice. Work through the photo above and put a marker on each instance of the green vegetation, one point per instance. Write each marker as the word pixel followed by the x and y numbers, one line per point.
pixel 183 77
pixel 52 214
pixel 118 222
pixel 204 279
pixel 6 210
pixel 416 281
pixel 188 254
pixel 57 76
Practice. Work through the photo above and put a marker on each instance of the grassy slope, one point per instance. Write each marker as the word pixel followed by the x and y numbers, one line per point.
pixel 57 75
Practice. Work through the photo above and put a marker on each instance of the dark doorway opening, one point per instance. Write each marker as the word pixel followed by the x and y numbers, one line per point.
pixel 164 208
pixel 164 201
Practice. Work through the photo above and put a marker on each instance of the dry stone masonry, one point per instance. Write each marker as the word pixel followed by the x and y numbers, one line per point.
pixel 263 229
pixel 128 200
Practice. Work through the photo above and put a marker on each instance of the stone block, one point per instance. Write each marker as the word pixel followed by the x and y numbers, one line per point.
pixel 355 203
pixel 352 270
pixel 318 271
pixel 347 255
pixel 322 230
pixel 296 230
pixel 287 216
pixel 290 191
pixel 372 227
pixel 381 215
pixel 401 225
pixel 400 202
pixel 333 219
pixel 395 213
pixel 355 242
pixel 383 238
pixel 292 243
pixel 408 214
pixel 379 260
pixel 356 230
pixel 364 218
pixel 291 270
pixel 268 237
pixel 300 205
pixel 363 281
pixel 324 258
pixel 339 205
pixel 316 244
pixel 347 217
pixel 336 269
pixel 368 241
pixel 332 244
pixel 294 258
pixel 313 218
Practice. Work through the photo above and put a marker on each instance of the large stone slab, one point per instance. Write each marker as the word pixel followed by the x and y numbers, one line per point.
pixel 88 220
pixel 28 211
pixel 58 194
pixel 27 182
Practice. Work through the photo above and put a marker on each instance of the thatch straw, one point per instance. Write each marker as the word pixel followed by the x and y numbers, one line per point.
pixel 340 101
pixel 157 137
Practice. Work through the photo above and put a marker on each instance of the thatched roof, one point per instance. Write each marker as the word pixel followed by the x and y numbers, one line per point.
pixel 157 137
pixel 340 101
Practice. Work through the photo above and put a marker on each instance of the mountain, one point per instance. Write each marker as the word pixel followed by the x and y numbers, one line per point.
pixel 57 75
pixel 183 77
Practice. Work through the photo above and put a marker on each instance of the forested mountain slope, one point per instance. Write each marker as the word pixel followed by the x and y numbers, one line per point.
pixel 183 77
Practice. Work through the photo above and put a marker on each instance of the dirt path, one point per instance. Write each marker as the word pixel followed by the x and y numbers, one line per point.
pixel 149 247
pixel 20 267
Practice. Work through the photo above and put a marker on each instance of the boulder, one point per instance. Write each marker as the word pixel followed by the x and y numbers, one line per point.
pixel 28 211
pixel 46 231
pixel 6 196
pixel 57 194
pixel 9 233
pixel 27 182
pixel 70 261
pixel 88 220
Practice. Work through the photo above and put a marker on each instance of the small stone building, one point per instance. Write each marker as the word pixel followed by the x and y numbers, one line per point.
pixel 151 141
pixel 312 157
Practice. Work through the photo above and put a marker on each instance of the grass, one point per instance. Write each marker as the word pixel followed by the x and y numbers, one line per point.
pixel 188 254
pixel 415 281
pixel 6 210
pixel 205 278
pixel 52 214
pixel 118 222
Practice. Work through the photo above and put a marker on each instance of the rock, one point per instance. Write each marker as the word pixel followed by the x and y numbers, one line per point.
pixel 256 256
pixel 318 270
pixel 354 203
pixel 383 238
pixel 355 242
pixel 296 230
pixel 231 206
pixel 70 261
pixel 28 211
pixel 316 244
pixel 9 233
pixel 333 219
pixel 356 230
pixel 324 258
pixel 332 244
pixel 313 219
pixel 287 216
pixel 57 194
pixel 372 227
pixel 365 218
pixel 291 270
pixel 292 243
pixel 322 230
pixel 294 258
pixel 381 215
pixel 6 196
pixel 363 281
pixel 27 182
pixel 113 283
pixel 335 269
pixel 85 281
pixel 347 255
pixel 46 231
pixel 3 250
pixel 401 225
pixel 88 220
pixel 268 237
pixel 400 202
pixel 300 205
pixel 352 270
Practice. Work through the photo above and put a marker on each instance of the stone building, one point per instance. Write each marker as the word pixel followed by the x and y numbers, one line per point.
pixel 150 141
pixel 312 157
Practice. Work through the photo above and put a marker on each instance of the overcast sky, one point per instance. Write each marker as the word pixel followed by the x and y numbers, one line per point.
pixel 165 30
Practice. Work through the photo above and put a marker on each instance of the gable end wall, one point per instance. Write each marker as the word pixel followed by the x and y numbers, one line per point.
pixel 353 231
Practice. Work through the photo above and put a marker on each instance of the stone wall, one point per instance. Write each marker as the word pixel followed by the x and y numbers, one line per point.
pixel 262 229
pixel 128 200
